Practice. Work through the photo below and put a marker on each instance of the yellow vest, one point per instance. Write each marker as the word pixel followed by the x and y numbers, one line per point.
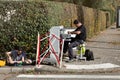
pixel 81 49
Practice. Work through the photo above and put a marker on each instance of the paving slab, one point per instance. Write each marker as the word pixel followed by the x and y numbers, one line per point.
pixel 8 69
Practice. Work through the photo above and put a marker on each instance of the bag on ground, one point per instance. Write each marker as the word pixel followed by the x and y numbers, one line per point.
pixel 89 55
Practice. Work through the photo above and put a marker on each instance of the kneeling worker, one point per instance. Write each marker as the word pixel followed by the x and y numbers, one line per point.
pixel 80 37
pixel 16 56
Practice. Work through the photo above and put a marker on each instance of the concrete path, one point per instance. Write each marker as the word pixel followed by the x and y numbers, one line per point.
pixel 10 72
pixel 8 69
pixel 106 46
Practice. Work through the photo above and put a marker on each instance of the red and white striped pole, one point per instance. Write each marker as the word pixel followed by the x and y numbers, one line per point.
pixel 38 50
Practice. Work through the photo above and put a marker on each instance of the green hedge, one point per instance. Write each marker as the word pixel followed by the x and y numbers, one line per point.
pixel 26 19
pixel 93 19
pixel 61 13
pixel 29 17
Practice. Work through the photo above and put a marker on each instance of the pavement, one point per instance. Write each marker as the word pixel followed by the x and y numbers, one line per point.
pixel 8 69
pixel 11 71
pixel 106 49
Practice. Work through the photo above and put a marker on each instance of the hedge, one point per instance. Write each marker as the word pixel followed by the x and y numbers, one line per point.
pixel 94 20
pixel 29 17
pixel 61 13
pixel 21 20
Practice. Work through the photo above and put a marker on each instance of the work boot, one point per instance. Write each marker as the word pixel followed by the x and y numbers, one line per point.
pixel 70 60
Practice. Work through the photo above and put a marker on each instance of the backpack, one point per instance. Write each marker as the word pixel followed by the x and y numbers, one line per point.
pixel 89 55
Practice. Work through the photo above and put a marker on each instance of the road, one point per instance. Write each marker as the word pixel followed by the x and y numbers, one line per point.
pixel 65 77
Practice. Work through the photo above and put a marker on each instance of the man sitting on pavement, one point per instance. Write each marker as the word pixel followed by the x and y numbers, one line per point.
pixel 16 56
pixel 79 39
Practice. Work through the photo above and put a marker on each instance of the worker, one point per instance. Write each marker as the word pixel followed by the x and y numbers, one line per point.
pixel 16 56
pixel 80 37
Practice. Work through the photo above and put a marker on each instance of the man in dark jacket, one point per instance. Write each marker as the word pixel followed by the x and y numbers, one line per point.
pixel 79 39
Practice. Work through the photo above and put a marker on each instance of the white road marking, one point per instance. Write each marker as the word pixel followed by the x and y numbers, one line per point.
pixel 91 66
pixel 71 76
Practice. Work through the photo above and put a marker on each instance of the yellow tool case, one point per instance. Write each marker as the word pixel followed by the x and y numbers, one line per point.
pixel 2 63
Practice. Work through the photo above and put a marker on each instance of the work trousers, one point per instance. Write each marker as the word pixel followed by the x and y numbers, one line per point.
pixel 69 45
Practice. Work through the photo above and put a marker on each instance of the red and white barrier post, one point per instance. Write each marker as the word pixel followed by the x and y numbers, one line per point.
pixel 38 50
